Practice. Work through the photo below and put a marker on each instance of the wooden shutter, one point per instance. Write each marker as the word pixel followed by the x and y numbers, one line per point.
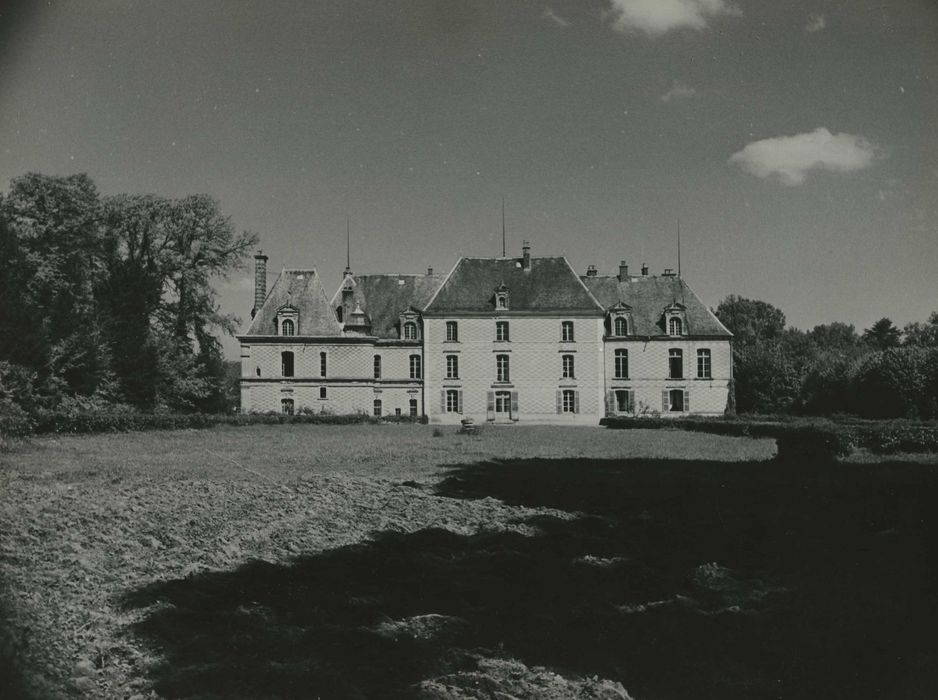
pixel 664 401
pixel 576 401
pixel 459 401
pixel 610 403
pixel 686 401
pixel 490 405
pixel 443 401
pixel 514 405
pixel 559 402
pixel 632 401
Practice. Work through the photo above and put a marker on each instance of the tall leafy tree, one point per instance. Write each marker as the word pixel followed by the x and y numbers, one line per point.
pixel 52 249
pixel 922 334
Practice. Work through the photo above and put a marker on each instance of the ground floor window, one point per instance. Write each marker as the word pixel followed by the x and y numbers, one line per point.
pixel 377 407
pixel 675 400
pixel 452 401
pixel 323 393
pixel 286 406
pixel 568 401
pixel 502 402
pixel 413 408
pixel 624 402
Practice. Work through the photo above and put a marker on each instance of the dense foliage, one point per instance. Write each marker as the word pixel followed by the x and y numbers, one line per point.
pixel 108 301
pixel 831 369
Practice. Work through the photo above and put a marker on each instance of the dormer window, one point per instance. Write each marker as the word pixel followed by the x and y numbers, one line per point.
pixel 675 320
pixel 501 297
pixel 410 325
pixel 619 320
pixel 286 321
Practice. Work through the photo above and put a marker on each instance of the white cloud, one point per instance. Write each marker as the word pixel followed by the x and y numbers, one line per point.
pixel 555 18
pixel 678 91
pixel 655 17
pixel 791 157
pixel 815 24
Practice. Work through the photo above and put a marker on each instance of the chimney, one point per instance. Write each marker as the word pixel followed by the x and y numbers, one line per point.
pixel 591 271
pixel 644 269
pixel 429 270
pixel 623 270
pixel 525 255
pixel 260 282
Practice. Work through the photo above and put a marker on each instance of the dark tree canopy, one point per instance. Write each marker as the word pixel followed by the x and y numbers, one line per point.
pixel 882 335
pixel 749 320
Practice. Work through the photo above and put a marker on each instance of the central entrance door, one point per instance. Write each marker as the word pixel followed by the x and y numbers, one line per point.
pixel 503 405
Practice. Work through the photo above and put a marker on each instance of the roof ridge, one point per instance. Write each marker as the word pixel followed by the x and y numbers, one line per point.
pixel 582 284
pixel 449 274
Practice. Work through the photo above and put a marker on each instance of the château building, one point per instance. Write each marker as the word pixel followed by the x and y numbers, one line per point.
pixel 503 339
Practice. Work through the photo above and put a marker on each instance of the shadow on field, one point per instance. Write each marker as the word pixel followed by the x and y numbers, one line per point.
pixel 678 579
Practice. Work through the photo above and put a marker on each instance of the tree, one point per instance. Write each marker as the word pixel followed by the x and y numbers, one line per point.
pixel 922 334
pixel 749 320
pixel 51 246
pixel 162 257
pixel 882 335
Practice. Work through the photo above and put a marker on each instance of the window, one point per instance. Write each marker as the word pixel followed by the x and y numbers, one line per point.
pixel 501 368
pixel 503 301
pixel 452 332
pixel 286 406
pixel 703 364
pixel 569 402
pixel 415 366
pixel 624 401
pixel 339 313
pixel 501 331
pixel 452 367
pixel 377 407
pixel 452 401
pixel 622 364
pixel 397 412
pixel 410 330
pixel 413 408
pixel 567 366
pixel 675 363
pixel 620 326
pixel 566 331
pixel 287 327
pixel 323 393
pixel 322 364
pixel 675 327
pixel 676 400
pixel 286 364
pixel 377 366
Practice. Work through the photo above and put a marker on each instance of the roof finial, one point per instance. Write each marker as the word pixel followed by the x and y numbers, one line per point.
pixel 679 248
pixel 348 248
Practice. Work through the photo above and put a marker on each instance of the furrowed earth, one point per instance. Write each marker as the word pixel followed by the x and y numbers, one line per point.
pixel 406 561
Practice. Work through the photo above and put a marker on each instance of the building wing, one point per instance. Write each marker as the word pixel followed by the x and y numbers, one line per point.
pixel 384 297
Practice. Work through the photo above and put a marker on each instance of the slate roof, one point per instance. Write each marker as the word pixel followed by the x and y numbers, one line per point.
pixel 383 297
pixel 301 289
pixel 649 296
pixel 550 286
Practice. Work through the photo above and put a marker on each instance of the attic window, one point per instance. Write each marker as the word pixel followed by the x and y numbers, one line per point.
pixel 620 326
pixel 287 327
pixel 410 330
pixel 675 326
pixel 501 297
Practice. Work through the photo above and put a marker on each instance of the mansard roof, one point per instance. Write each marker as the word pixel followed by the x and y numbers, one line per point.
pixel 549 286
pixel 649 297
pixel 384 297
pixel 299 290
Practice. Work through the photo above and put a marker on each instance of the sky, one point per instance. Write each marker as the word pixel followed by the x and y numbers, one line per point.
pixel 795 143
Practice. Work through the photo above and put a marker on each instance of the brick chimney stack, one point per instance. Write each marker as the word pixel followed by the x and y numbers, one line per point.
pixel 623 270
pixel 260 282
pixel 526 255
pixel 644 269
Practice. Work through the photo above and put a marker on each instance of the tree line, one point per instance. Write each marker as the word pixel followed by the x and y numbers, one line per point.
pixel 883 372
pixel 109 301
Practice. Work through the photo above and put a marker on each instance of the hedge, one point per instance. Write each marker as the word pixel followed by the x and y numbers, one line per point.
pixel 818 437
pixel 124 421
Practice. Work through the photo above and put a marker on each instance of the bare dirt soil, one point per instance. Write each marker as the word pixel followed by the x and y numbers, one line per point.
pixel 527 562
